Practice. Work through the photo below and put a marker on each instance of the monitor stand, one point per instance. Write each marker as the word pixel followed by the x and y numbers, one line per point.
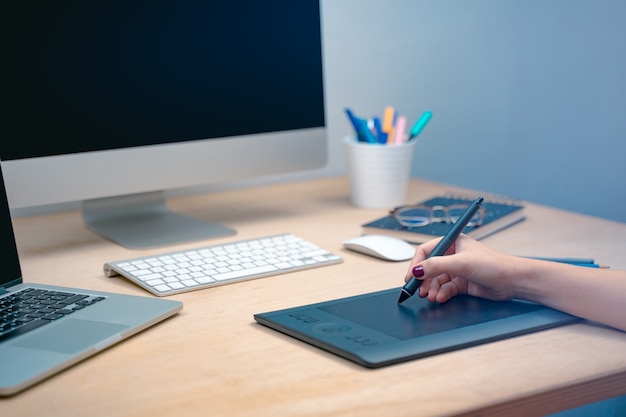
pixel 143 221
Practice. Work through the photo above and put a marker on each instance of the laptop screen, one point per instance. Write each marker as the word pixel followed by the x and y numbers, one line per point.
pixel 11 272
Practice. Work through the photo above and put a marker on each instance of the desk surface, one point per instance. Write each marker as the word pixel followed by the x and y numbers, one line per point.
pixel 213 359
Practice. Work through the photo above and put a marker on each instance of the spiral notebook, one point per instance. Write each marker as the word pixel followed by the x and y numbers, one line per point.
pixel 500 213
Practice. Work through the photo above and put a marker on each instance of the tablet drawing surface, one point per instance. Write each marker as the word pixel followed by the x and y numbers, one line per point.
pixel 373 330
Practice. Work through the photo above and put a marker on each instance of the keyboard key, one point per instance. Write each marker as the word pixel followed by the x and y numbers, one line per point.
pixel 32 325
pixel 30 308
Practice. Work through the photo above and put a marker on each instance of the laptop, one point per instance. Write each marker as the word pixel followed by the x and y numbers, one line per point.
pixel 45 329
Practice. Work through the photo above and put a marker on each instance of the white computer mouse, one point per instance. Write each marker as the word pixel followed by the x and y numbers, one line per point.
pixel 382 247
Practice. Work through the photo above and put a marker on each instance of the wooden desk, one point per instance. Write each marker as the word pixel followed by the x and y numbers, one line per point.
pixel 213 359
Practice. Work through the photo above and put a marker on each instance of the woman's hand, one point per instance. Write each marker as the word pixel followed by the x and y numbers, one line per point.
pixel 469 267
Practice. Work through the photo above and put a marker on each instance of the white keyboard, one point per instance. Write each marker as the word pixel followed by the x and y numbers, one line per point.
pixel 176 272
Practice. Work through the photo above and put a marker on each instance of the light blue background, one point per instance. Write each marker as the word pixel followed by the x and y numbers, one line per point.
pixel 529 97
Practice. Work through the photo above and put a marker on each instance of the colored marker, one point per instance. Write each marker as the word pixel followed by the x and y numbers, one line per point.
pixel 388 121
pixel 589 263
pixel 367 133
pixel 565 260
pixel 360 127
pixel 381 135
pixel 355 125
pixel 400 130
pixel 420 124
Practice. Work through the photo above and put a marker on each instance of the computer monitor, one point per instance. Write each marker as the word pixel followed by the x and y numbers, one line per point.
pixel 112 103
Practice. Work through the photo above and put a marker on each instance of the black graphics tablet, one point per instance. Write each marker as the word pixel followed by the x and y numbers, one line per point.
pixel 374 331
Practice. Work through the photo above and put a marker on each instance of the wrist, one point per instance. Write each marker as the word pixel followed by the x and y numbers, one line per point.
pixel 534 280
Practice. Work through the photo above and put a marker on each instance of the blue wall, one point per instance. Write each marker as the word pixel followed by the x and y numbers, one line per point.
pixel 529 97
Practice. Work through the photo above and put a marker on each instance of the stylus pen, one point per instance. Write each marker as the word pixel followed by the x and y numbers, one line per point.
pixel 444 244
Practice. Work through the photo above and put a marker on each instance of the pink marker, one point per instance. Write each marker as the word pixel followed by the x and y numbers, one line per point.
pixel 400 130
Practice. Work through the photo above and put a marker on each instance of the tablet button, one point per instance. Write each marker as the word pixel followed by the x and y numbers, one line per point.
pixel 310 320
pixel 362 340
pixel 303 317
pixel 331 328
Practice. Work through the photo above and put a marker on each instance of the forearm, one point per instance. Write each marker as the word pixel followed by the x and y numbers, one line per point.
pixel 594 294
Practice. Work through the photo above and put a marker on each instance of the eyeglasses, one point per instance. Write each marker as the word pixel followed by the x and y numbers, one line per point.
pixel 415 216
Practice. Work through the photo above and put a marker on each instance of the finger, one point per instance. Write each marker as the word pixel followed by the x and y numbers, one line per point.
pixel 422 290
pixel 450 265
pixel 433 286
pixel 447 291
pixel 421 252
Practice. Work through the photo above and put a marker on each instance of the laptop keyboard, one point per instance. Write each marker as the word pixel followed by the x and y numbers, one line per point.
pixel 31 308
pixel 176 272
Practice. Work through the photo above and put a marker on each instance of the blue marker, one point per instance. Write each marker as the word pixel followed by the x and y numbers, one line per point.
pixel 366 132
pixel 380 134
pixel 420 124
pixel 360 127
pixel 589 263
pixel 356 124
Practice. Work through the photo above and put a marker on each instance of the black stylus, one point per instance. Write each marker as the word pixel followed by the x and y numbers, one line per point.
pixel 444 244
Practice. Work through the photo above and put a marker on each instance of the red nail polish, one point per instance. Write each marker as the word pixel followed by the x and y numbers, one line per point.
pixel 418 271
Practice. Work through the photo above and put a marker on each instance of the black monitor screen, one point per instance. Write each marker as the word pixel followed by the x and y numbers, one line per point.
pixel 95 75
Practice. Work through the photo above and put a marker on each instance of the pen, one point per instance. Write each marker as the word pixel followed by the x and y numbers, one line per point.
pixel 589 263
pixel 420 124
pixel 565 260
pixel 380 134
pixel 388 123
pixel 360 127
pixel 444 244
pixel 400 130
pixel 355 124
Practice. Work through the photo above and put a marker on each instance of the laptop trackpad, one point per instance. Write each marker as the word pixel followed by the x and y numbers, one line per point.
pixel 71 336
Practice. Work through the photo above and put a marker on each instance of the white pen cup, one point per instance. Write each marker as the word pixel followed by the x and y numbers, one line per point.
pixel 379 173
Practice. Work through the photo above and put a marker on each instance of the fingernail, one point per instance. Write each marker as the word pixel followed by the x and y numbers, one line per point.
pixel 418 271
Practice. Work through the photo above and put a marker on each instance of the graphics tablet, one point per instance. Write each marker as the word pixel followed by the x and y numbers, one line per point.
pixel 373 330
